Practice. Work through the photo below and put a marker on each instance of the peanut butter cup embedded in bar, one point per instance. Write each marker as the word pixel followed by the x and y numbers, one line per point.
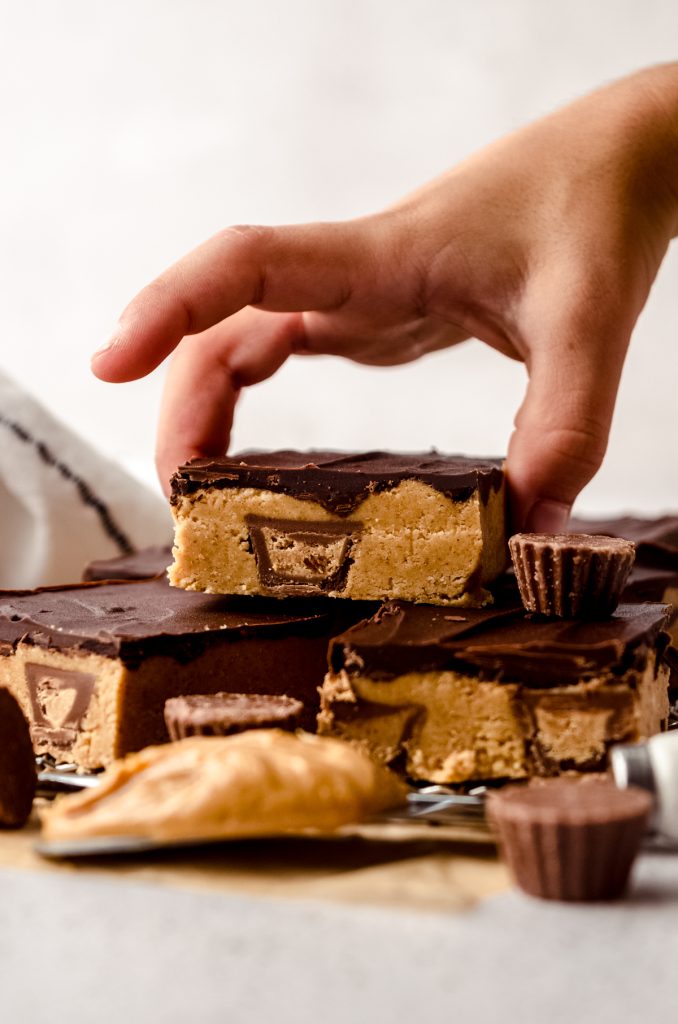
pixel 567 839
pixel 427 528
pixel 222 714
pixel 571 576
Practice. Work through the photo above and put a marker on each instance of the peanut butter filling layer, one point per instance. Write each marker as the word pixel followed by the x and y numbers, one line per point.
pixel 450 727
pixel 411 541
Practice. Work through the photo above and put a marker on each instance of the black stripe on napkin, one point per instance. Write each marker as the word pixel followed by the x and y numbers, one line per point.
pixel 85 492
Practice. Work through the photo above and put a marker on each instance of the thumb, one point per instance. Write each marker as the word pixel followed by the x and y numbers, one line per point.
pixel 562 427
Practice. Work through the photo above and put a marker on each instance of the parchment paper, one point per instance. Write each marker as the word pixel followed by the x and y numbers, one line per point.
pixel 410 867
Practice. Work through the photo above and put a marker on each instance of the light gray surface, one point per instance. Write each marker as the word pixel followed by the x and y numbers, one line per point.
pixel 80 948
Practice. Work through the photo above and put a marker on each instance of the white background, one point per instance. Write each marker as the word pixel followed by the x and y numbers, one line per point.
pixel 132 130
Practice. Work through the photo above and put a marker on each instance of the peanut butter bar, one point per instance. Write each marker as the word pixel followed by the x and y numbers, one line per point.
pixel 495 693
pixel 92 665
pixel 428 528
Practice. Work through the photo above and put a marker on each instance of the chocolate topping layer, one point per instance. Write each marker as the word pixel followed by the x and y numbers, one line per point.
pixel 649 583
pixel 498 642
pixel 136 619
pixel 142 565
pixel 339 481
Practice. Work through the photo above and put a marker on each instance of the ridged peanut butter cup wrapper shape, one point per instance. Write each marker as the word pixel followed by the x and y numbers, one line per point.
pixel 571 576
pixel 573 840
pixel 223 714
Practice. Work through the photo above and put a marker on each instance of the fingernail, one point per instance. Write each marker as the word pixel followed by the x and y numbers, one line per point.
pixel 548 517
pixel 107 346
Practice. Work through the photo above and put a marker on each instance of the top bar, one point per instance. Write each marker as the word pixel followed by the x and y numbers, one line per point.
pixel 423 527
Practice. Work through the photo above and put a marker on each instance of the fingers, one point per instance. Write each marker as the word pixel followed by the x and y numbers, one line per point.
pixel 562 427
pixel 205 377
pixel 287 269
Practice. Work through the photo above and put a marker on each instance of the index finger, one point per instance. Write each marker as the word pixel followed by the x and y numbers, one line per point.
pixel 285 269
pixel 204 379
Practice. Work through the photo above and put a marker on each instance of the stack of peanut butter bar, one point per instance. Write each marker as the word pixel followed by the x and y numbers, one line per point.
pixel 390 566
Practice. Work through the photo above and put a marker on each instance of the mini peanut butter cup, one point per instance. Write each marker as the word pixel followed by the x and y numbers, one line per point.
pixel 565 839
pixel 222 714
pixel 571 576
pixel 18 777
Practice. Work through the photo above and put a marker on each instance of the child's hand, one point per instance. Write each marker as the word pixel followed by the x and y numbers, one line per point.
pixel 544 245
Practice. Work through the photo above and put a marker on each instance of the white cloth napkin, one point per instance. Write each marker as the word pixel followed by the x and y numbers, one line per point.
pixel 62 503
